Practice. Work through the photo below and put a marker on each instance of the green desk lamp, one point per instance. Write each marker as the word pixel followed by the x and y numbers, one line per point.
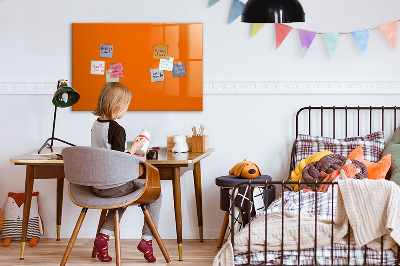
pixel 64 97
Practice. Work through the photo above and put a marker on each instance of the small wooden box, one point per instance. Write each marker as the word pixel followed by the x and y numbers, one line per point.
pixel 200 143
pixel 171 143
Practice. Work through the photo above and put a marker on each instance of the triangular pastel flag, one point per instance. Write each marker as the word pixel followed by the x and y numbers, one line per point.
pixel 361 37
pixel 256 28
pixel 306 39
pixel 237 9
pixel 390 32
pixel 281 31
pixel 213 2
pixel 332 41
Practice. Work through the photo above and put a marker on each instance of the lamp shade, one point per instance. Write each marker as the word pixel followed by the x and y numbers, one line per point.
pixel 273 11
pixel 65 96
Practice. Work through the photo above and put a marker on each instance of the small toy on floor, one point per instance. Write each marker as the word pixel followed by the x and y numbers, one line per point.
pixel 13 215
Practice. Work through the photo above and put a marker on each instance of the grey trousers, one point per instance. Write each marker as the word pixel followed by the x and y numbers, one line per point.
pixel 153 208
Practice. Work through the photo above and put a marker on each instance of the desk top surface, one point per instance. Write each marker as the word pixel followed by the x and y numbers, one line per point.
pixel 164 157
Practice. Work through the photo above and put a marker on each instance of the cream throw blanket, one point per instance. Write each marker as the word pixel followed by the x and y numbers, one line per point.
pixel 371 206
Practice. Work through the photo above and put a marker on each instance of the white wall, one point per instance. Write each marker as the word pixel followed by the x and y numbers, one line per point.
pixel 35 43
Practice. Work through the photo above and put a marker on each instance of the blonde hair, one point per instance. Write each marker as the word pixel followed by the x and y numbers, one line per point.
pixel 113 97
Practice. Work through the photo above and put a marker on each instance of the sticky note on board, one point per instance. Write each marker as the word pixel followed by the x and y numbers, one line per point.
pixel 106 50
pixel 97 67
pixel 156 75
pixel 110 79
pixel 117 70
pixel 179 70
pixel 160 51
pixel 167 64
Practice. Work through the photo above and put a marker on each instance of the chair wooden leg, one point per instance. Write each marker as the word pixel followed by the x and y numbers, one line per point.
pixel 101 222
pixel 223 229
pixel 73 237
pixel 154 230
pixel 117 239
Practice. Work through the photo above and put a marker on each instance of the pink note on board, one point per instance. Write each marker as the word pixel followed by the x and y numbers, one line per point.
pixel 117 70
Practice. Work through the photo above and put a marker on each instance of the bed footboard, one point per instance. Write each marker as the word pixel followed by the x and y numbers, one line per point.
pixel 310 254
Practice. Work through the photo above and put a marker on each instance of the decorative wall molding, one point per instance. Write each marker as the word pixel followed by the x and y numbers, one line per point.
pixel 28 88
pixel 247 87
pixel 302 87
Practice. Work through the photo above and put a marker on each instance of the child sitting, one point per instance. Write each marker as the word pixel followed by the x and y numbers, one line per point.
pixel 112 104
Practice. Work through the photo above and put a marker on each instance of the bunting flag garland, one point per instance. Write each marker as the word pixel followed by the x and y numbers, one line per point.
pixel 332 41
pixel 237 9
pixel 361 37
pixel 306 39
pixel 213 2
pixel 281 31
pixel 256 28
pixel 389 30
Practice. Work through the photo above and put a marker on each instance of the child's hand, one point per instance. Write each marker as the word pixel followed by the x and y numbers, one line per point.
pixel 143 155
pixel 137 144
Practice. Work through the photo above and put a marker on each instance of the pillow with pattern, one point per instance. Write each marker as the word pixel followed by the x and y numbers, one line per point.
pixel 372 145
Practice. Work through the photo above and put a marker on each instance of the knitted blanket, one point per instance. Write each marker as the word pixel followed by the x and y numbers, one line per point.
pixel 371 207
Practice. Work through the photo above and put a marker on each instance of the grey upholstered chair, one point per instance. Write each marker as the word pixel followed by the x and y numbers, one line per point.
pixel 85 167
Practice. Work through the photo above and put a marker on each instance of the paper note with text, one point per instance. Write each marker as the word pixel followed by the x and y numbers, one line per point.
pixel 167 64
pixel 106 50
pixel 117 70
pixel 97 67
pixel 179 70
pixel 156 75
pixel 160 51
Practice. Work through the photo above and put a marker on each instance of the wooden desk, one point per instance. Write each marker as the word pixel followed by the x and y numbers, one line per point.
pixel 171 167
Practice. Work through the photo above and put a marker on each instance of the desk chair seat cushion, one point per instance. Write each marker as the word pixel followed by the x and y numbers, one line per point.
pixel 84 196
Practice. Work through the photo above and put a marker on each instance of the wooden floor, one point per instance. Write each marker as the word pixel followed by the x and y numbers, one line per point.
pixel 50 252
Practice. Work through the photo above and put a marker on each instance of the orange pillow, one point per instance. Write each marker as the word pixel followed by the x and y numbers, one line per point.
pixel 375 170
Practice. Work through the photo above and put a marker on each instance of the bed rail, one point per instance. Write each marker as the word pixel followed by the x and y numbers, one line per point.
pixel 265 185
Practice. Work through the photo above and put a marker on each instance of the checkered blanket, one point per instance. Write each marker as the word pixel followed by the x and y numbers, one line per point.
pixel 324 206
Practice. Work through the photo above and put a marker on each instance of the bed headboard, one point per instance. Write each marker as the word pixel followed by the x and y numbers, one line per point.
pixel 344 121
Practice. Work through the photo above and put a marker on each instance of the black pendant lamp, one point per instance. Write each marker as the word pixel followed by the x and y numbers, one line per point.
pixel 273 11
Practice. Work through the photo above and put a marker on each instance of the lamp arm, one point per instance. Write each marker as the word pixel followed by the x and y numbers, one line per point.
pixel 54 126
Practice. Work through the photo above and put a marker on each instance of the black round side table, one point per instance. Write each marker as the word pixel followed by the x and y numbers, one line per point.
pixel 228 182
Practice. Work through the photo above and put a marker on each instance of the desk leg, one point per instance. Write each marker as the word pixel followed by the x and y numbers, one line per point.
pixel 176 182
pixel 27 206
pixel 199 204
pixel 60 190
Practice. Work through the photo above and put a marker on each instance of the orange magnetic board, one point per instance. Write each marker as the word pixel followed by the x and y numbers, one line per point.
pixel 133 46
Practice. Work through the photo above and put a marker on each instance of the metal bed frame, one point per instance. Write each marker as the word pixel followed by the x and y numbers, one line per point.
pixel 283 184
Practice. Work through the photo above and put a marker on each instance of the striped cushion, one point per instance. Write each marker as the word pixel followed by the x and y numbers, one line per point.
pixel 372 145
pixel 13 228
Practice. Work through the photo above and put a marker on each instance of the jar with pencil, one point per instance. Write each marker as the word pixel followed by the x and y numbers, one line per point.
pixel 199 140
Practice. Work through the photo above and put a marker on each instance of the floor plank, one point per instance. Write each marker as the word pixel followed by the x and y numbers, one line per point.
pixel 50 252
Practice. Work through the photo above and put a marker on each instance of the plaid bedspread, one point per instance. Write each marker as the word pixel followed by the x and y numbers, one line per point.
pixel 307 202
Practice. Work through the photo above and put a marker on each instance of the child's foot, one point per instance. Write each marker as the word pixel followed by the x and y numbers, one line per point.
pixel 146 247
pixel 101 245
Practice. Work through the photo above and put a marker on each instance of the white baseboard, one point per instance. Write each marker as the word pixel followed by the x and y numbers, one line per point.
pixel 246 87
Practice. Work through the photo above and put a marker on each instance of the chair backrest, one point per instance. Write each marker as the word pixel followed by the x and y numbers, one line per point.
pixel 91 166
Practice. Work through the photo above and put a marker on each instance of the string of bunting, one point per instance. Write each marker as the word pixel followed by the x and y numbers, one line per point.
pixel 361 37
